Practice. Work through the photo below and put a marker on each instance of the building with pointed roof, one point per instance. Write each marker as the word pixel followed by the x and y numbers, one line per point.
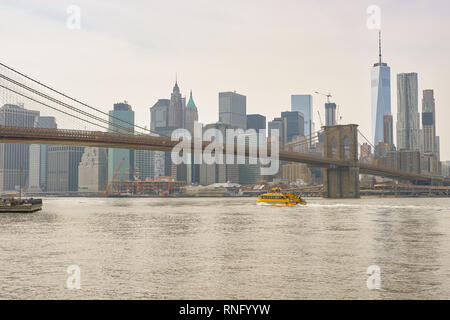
pixel 176 109
pixel 191 115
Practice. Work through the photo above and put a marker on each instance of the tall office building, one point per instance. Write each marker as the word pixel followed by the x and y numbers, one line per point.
pixel 256 122
pixel 159 117
pixel 446 168
pixel 388 131
pixel 233 109
pixel 14 157
pixel 381 96
pixel 63 161
pixel 192 170
pixel 121 161
pixel 438 147
pixel 304 104
pixel 279 124
pixel 176 109
pixel 38 159
pixel 168 115
pixel 34 168
pixel 93 170
pixel 143 166
pixel 431 157
pixel 251 173
pixel 294 124
pixel 330 114
pixel 215 173
pixel 47 123
pixel 408 127
pixel 428 121
pixel 158 164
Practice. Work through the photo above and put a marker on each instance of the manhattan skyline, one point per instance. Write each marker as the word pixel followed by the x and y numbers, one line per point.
pixel 136 60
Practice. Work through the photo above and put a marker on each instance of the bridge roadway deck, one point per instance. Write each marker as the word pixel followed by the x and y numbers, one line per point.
pixel 146 142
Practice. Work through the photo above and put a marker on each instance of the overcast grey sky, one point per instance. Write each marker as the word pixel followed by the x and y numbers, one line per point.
pixel 266 50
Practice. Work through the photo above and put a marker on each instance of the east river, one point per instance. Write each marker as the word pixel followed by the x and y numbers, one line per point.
pixel 227 248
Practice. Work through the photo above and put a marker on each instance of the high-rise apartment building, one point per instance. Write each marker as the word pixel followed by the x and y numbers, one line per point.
pixel 408 126
pixel 304 103
pixel 14 157
pixel 233 109
pixel 381 96
pixel 121 161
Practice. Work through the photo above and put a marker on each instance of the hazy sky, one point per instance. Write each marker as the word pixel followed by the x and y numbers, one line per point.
pixel 266 50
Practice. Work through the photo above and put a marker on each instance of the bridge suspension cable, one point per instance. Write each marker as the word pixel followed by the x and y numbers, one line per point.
pixel 366 139
pixel 46 105
pixel 81 103
pixel 60 103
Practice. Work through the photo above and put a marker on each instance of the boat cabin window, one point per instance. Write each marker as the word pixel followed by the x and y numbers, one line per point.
pixel 272 197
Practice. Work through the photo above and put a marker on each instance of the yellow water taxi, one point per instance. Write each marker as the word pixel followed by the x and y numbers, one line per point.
pixel 278 198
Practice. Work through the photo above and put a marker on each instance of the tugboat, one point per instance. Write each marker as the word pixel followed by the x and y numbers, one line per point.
pixel 278 198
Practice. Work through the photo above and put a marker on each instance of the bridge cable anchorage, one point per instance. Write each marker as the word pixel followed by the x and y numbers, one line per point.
pixel 63 104
pixel 77 101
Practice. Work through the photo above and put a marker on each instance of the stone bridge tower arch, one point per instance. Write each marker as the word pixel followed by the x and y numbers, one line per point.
pixel 341 142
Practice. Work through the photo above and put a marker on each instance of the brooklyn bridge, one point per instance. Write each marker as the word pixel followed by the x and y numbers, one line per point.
pixel 339 158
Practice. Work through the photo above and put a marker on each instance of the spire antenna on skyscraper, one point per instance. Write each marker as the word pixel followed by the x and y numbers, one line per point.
pixel 379 45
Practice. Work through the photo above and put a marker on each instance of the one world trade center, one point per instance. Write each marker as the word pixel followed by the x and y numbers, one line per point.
pixel 381 96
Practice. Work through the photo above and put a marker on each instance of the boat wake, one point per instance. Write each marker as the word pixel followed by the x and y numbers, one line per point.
pixel 375 206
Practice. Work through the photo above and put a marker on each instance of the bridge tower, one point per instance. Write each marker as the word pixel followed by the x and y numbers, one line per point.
pixel 341 142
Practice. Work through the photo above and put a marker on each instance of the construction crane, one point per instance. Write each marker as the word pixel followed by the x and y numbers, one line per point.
pixel 326 95
pixel 116 174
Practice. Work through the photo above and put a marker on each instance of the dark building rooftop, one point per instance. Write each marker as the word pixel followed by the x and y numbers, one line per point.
pixel 122 106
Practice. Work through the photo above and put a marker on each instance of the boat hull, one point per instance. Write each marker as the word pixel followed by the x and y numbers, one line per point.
pixel 279 204
pixel 27 206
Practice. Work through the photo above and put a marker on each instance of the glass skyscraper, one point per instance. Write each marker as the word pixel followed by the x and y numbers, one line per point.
pixel 408 124
pixel 122 111
pixel 14 157
pixel 233 109
pixel 381 96
pixel 304 104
